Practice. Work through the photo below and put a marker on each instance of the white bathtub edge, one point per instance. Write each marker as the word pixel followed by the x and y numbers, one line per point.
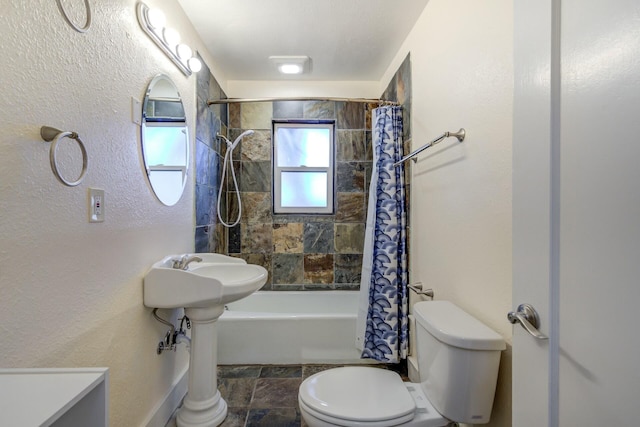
pixel 252 316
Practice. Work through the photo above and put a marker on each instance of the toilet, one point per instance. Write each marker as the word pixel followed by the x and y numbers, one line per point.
pixel 458 360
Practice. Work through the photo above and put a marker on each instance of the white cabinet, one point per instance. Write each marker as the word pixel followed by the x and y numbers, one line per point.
pixel 54 397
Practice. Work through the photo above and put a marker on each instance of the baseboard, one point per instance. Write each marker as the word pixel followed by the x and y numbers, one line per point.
pixel 162 412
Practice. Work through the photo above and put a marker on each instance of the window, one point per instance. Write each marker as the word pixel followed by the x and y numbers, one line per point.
pixel 303 156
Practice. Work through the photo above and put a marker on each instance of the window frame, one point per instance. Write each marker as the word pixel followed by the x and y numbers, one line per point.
pixel 278 170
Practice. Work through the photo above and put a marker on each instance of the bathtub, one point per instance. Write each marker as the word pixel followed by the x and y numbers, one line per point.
pixel 290 327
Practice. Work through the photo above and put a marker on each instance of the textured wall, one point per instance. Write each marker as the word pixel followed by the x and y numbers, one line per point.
pixel 462 76
pixel 70 291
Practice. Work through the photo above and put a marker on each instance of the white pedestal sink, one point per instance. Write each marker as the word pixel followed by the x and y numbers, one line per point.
pixel 202 290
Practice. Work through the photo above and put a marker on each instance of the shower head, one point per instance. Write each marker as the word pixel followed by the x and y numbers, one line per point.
pixel 239 138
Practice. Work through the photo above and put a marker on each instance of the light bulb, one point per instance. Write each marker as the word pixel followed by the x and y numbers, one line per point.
pixel 171 37
pixel 290 69
pixel 156 18
pixel 194 64
pixel 184 51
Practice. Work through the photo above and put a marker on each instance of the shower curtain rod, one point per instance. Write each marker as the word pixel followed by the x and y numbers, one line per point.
pixel 460 135
pixel 242 100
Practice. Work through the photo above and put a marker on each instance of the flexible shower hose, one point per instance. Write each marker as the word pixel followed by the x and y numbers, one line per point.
pixel 228 159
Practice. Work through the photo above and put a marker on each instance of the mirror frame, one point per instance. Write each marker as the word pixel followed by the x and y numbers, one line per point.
pixel 159 121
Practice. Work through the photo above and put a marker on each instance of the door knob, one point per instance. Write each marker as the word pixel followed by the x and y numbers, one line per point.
pixel 528 318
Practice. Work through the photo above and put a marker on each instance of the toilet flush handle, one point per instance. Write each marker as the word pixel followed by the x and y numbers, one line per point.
pixel 528 318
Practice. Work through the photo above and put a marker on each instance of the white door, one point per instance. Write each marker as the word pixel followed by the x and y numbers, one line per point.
pixel 576 207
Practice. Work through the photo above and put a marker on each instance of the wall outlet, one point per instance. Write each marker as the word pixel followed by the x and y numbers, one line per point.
pixel 96 205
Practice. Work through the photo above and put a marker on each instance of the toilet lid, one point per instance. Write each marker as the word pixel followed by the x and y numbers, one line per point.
pixel 357 394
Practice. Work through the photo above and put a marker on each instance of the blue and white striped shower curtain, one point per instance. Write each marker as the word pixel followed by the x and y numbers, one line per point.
pixel 382 327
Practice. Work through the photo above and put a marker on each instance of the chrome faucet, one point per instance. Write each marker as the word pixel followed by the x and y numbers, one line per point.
pixel 183 262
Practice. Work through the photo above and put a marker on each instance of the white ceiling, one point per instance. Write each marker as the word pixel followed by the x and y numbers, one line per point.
pixel 347 40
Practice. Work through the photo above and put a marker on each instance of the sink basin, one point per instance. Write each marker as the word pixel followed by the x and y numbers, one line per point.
pixel 217 280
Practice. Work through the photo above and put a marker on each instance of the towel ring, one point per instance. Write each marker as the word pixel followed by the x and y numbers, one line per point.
pixel 74 26
pixel 52 134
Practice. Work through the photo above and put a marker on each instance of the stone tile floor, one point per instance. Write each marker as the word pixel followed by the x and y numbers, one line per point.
pixel 267 396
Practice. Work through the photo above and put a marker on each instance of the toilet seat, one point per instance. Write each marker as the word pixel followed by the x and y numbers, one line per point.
pixel 338 422
pixel 351 396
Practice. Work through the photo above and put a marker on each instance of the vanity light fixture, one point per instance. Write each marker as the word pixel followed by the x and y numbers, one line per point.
pixel 291 64
pixel 152 22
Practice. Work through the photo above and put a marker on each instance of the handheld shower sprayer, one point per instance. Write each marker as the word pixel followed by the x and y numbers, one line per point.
pixel 228 160
pixel 232 145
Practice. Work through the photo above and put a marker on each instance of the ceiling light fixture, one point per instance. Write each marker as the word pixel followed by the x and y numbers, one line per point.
pixel 152 22
pixel 290 69
pixel 291 65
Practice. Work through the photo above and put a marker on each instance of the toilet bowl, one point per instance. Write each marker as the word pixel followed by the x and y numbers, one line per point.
pixel 458 359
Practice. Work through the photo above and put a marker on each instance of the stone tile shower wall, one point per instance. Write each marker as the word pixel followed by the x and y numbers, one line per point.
pixel 210 235
pixel 399 90
pixel 301 251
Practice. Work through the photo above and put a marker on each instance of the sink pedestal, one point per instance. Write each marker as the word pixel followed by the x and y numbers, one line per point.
pixel 203 406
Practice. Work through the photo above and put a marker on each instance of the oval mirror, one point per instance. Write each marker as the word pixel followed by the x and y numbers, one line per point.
pixel 165 140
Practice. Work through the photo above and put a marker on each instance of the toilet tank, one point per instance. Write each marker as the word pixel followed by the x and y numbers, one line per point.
pixel 458 360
